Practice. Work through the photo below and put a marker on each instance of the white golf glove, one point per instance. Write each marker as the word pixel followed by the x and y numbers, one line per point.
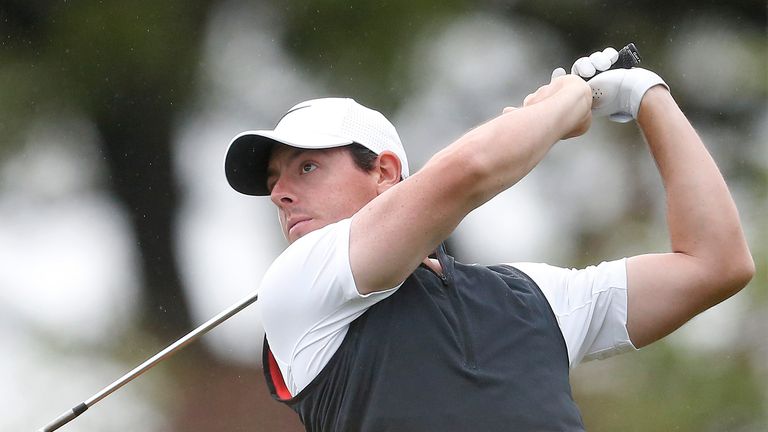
pixel 615 93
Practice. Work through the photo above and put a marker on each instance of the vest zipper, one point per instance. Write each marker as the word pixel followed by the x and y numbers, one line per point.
pixel 458 307
pixel 466 340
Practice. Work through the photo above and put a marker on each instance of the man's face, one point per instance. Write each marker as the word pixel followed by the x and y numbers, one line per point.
pixel 314 188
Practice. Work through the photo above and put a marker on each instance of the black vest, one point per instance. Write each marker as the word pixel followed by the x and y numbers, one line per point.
pixel 476 350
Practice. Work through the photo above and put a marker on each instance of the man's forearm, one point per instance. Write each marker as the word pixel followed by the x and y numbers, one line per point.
pixel 702 217
pixel 393 233
pixel 508 147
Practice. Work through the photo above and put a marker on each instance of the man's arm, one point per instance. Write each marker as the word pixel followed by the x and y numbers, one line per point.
pixel 710 259
pixel 393 233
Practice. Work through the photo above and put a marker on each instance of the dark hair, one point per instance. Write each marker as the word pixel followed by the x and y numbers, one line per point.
pixel 363 156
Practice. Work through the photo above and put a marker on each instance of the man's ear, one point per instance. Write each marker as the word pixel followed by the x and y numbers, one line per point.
pixel 388 169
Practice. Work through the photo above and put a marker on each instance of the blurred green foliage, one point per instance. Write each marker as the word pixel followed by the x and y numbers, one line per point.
pixel 129 68
pixel 362 47
pixel 663 387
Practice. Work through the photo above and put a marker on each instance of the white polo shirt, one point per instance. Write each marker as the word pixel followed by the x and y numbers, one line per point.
pixel 308 299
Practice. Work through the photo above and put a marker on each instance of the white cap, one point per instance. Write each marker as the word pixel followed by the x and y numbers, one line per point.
pixel 313 124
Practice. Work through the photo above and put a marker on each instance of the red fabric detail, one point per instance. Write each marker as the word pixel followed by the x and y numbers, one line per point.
pixel 277 378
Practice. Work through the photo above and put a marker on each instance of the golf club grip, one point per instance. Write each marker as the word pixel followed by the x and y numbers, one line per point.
pixel 628 58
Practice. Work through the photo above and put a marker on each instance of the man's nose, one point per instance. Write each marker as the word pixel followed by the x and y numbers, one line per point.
pixel 282 193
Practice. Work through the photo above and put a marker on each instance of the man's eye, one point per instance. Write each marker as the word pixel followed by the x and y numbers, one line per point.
pixel 308 167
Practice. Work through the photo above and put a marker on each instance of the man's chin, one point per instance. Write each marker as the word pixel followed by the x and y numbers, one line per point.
pixel 292 239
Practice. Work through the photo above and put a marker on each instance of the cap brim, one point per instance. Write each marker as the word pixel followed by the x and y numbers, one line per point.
pixel 248 156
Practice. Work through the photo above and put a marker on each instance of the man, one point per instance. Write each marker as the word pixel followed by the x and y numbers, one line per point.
pixel 371 326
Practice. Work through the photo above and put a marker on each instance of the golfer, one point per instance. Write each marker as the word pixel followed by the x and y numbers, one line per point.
pixel 370 324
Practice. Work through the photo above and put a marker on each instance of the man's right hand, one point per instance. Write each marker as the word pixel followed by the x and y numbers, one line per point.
pixel 577 116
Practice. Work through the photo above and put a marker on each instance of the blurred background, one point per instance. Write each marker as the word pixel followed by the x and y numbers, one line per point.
pixel 119 233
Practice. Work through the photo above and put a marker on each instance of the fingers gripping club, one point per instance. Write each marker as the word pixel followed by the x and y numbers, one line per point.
pixel 601 61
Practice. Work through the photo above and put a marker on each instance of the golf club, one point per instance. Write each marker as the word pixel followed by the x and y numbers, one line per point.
pixel 628 58
pixel 69 415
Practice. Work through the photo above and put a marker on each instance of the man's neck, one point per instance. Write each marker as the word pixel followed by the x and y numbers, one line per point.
pixel 434 265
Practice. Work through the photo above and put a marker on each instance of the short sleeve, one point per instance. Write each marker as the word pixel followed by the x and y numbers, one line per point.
pixel 307 300
pixel 590 305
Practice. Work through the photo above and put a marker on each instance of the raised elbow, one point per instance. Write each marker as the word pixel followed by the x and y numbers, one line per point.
pixel 472 177
pixel 743 272
pixel 737 272
pixel 486 174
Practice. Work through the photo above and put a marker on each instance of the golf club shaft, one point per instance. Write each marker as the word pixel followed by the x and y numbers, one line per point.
pixel 69 415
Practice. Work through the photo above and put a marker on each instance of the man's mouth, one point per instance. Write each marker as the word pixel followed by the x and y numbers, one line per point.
pixel 292 225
